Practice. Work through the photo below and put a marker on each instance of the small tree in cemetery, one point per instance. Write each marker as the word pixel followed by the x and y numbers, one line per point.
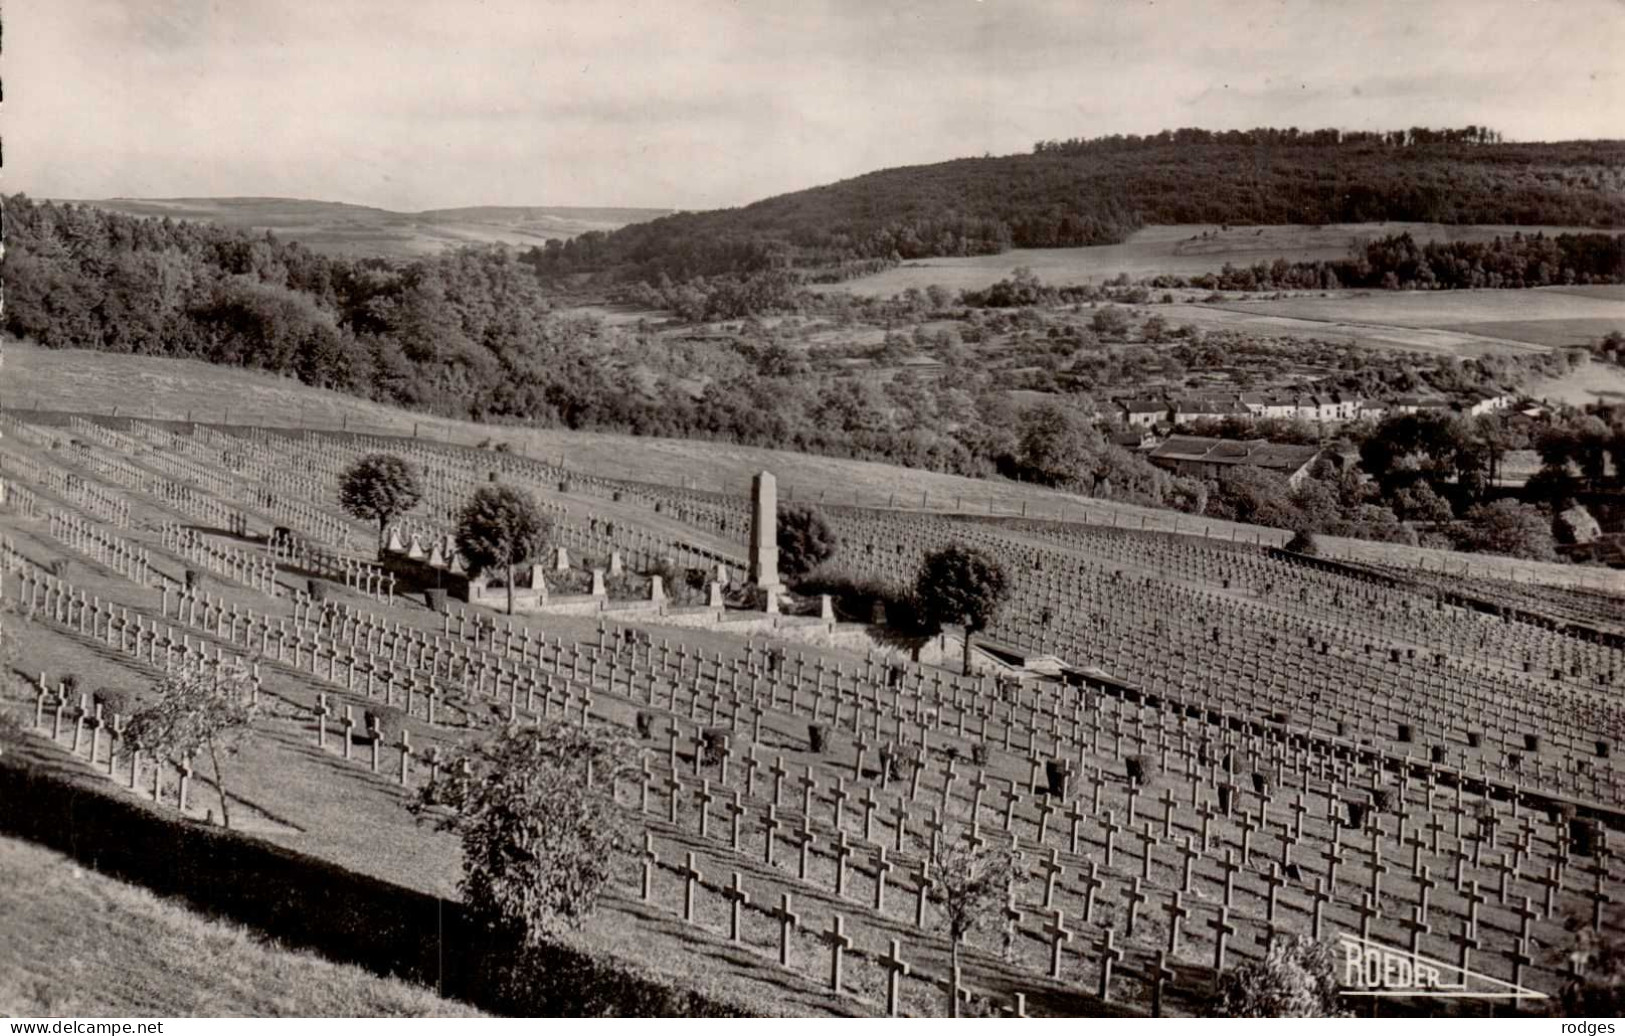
pixel 960 584
pixel 1296 979
pixel 541 833
pixel 1596 967
pixel 199 710
pixel 805 539
pixel 501 527
pixel 379 487
pixel 971 882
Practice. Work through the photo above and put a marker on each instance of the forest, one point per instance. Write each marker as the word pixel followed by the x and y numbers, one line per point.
pixel 1098 192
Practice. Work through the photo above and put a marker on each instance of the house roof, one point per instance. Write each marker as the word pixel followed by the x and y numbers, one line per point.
pixel 1256 452
pixel 1144 406
pixel 1208 405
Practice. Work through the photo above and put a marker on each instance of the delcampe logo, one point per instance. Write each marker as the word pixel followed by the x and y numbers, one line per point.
pixel 1373 969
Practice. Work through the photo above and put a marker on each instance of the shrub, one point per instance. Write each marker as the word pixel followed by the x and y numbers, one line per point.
pixel 1303 542
pixel 1296 979
pixel 805 540
pixel 115 701
pixel 1597 985
pixel 542 835
pixel 384 723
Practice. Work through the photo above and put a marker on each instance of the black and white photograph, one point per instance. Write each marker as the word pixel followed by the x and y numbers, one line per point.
pixel 988 509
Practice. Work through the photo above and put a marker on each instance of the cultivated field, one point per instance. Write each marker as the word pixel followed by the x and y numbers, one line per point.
pixel 1542 317
pixel 80 943
pixel 1165 250
pixel 336 228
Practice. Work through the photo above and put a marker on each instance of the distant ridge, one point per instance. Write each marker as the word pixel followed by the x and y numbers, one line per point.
pixel 342 228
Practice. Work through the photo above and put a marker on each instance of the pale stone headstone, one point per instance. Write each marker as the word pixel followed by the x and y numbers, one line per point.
pixel 561 563
pixel 616 565
pixel 598 589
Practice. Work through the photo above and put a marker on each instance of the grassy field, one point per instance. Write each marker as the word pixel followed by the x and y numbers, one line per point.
pixel 1468 323
pixel 91 382
pixel 1431 309
pixel 1592 383
pixel 74 942
pixel 1370 333
pixel 1163 250
pixel 335 228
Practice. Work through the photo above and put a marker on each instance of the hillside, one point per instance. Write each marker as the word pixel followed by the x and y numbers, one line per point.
pixel 341 229
pixel 180 390
pixel 1099 192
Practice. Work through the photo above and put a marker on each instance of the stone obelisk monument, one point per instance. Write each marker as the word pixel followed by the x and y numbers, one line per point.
pixel 764 534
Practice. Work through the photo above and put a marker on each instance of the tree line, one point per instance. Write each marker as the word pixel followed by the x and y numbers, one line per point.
pixel 1269 136
pixel 1396 262
pixel 1098 192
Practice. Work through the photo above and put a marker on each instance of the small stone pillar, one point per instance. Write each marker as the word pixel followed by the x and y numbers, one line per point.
pixel 616 565
pixel 598 589
pixel 826 608
pixel 657 589
pixel 715 598
pixel 561 561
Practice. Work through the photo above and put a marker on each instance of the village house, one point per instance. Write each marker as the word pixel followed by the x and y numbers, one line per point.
pixel 1418 404
pixel 1216 408
pixel 1144 413
pixel 1479 403
pixel 1208 458
pixel 1133 438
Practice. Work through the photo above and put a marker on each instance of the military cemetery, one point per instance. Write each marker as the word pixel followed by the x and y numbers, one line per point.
pixel 1036 510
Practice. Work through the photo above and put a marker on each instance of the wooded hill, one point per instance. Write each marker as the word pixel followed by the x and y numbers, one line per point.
pixel 1098 192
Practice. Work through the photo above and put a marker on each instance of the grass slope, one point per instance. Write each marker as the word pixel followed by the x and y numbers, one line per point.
pixel 337 228
pixel 74 942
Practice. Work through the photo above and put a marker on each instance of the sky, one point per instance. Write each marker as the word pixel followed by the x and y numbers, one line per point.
pixel 418 104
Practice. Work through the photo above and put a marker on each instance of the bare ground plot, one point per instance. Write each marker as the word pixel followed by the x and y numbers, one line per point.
pixel 1164 250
